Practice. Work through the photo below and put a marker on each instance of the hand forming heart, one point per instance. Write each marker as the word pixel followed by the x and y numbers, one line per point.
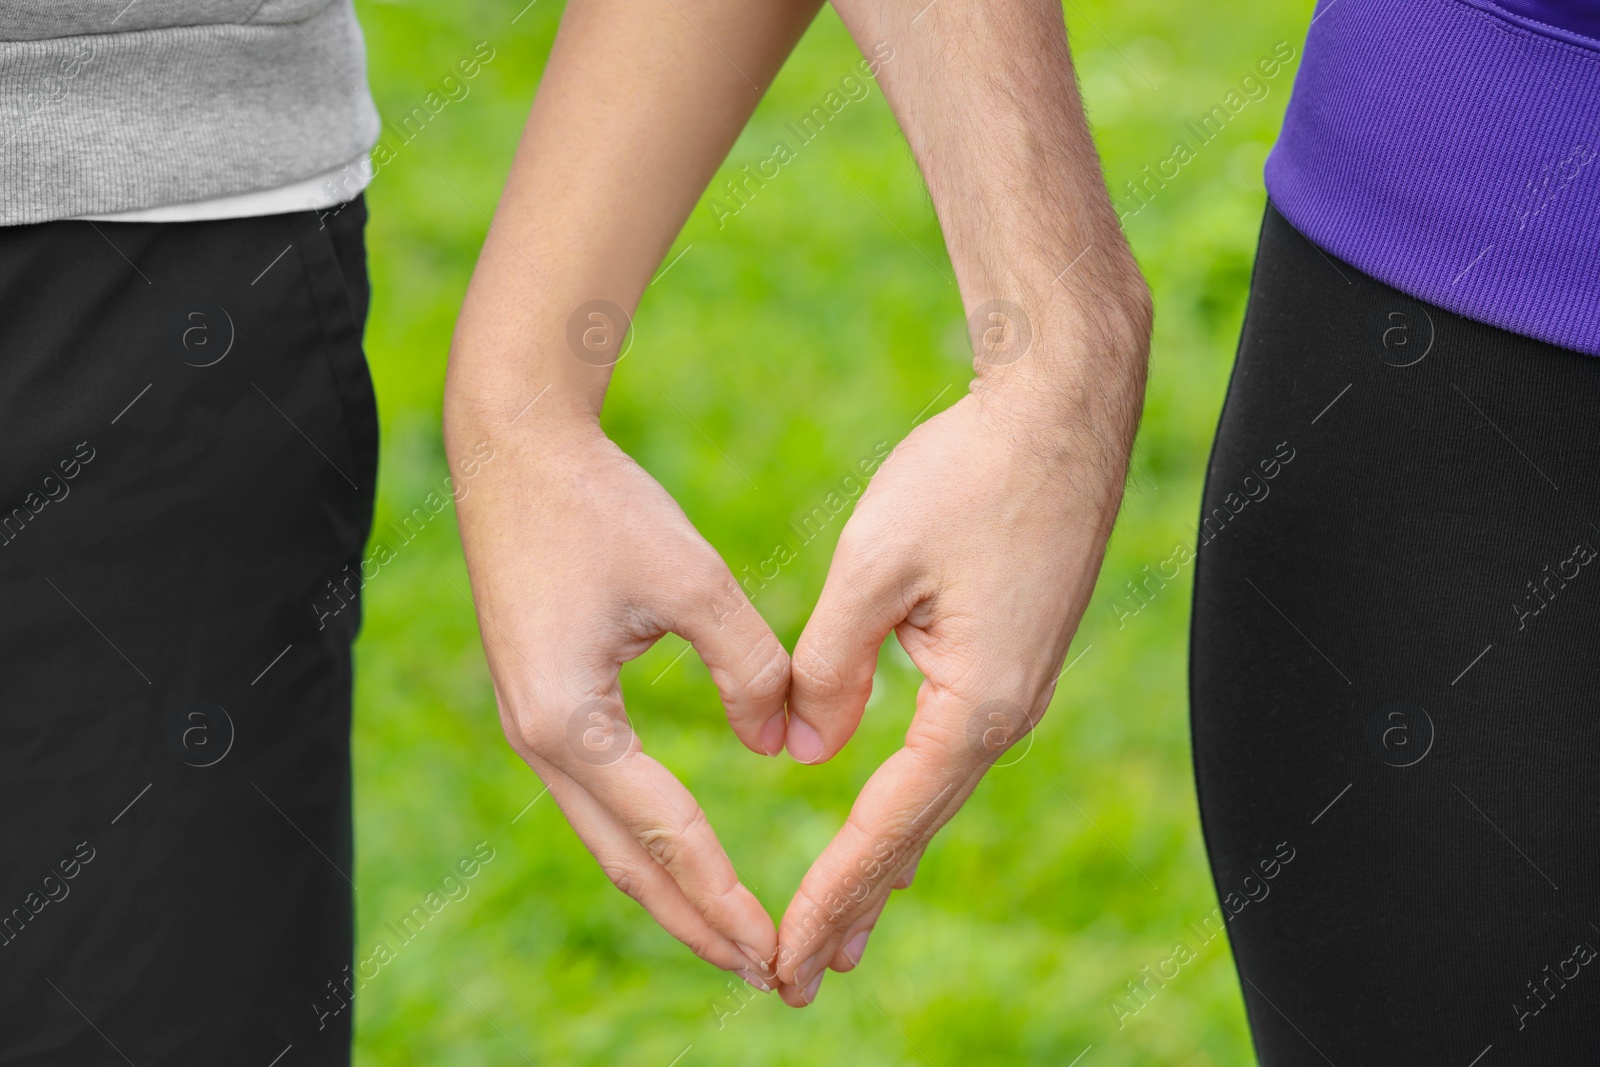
pixel 977 543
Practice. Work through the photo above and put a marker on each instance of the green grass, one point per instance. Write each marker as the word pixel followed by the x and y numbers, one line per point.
pixel 815 323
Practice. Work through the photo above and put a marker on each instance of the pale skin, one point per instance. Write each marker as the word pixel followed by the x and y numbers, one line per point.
pixel 977 543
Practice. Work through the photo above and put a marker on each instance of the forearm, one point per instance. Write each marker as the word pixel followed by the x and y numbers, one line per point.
pixel 636 109
pixel 579 560
pixel 986 95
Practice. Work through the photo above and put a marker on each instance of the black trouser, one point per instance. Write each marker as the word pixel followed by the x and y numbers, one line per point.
pixel 1395 678
pixel 189 447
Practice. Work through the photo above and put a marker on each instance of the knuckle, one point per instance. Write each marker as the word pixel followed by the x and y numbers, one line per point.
pixel 597 733
pixel 939 745
pixel 887 853
pixel 761 675
pixel 534 720
pixel 816 676
pixel 625 878
pixel 666 844
pixel 770 678
pixel 662 843
pixel 949 747
pixel 521 730
pixel 702 947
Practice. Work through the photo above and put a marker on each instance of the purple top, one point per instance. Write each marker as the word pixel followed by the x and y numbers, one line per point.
pixel 1451 149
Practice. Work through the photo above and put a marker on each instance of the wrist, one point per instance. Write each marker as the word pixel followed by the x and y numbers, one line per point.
pixel 519 369
pixel 536 358
pixel 1045 323
pixel 523 410
pixel 1061 368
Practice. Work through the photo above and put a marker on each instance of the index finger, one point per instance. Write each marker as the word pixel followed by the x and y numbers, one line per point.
pixel 603 756
pixel 907 799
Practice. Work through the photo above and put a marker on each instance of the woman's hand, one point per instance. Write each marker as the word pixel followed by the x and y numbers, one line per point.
pixel 580 562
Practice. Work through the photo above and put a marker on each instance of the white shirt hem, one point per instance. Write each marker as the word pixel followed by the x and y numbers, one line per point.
pixel 317 193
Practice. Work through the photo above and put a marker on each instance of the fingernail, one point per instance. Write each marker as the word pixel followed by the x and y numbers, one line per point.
pixel 802 973
pixel 772 734
pixel 854 947
pixel 755 980
pixel 911 872
pixel 759 965
pixel 805 744
pixel 810 991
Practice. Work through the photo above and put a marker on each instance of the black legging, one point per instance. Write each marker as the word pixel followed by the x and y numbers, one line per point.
pixel 1394 675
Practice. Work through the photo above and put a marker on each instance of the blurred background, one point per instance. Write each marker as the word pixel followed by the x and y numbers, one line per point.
pixel 791 334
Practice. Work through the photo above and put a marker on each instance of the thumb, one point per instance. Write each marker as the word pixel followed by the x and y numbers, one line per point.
pixel 837 653
pixel 746 660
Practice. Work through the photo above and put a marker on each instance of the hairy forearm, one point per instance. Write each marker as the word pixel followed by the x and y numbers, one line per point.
pixel 986 95
pixel 637 107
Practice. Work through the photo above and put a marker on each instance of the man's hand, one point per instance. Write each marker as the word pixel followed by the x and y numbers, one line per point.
pixel 977 543
pixel 979 540
pixel 581 562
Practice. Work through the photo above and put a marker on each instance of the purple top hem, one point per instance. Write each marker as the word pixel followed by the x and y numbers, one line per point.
pixel 1451 149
